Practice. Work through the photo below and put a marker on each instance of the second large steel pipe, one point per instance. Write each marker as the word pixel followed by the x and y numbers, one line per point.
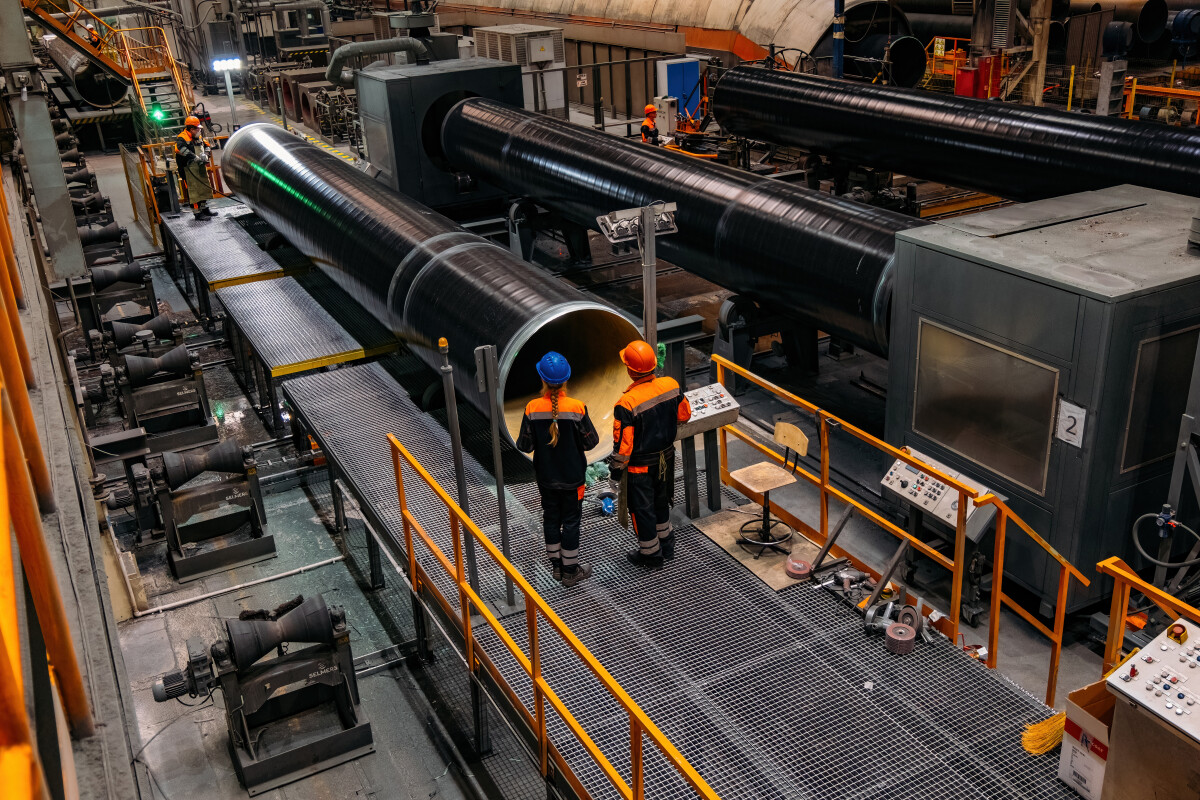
pixel 423 277
pixel 813 256
pixel 1018 152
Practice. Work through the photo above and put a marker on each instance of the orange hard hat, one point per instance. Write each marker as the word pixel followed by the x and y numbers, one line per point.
pixel 651 108
pixel 190 121
pixel 640 357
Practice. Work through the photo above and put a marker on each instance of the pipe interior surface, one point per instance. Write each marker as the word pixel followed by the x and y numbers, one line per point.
pixel 1018 152
pixel 812 256
pixel 423 277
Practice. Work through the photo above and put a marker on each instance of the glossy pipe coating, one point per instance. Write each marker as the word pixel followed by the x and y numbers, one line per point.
pixel 423 277
pixel 1018 152
pixel 819 258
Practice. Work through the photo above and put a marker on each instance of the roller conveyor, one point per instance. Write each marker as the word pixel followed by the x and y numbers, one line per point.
pixel 209 255
pixel 783 697
pixel 280 327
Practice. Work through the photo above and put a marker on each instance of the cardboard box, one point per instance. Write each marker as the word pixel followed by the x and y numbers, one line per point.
pixel 1084 759
pixel 1149 758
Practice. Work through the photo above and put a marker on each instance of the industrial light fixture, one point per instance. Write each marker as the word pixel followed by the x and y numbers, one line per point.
pixel 628 225
pixel 226 66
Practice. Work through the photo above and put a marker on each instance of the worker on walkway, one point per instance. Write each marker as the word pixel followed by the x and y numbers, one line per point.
pixel 191 156
pixel 93 37
pixel 556 428
pixel 645 421
pixel 649 126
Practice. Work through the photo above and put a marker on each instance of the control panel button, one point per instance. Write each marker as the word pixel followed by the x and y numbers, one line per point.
pixel 1177 633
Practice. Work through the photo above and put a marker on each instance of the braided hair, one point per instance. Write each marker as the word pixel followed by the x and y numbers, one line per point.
pixel 554 391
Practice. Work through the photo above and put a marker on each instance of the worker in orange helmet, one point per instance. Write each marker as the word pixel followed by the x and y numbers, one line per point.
pixel 93 37
pixel 557 430
pixel 649 126
pixel 645 422
pixel 191 156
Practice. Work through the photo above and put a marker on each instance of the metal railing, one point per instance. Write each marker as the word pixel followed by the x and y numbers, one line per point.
pixel 1125 581
pixel 956 565
pixel 25 493
pixel 538 617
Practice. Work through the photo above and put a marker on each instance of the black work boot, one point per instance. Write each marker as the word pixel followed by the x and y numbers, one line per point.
pixel 208 212
pixel 575 574
pixel 667 547
pixel 556 568
pixel 640 559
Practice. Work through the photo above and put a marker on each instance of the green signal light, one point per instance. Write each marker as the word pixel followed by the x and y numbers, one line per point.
pixel 157 113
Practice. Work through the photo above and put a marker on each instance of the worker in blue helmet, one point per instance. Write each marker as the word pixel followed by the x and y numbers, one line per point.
pixel 557 430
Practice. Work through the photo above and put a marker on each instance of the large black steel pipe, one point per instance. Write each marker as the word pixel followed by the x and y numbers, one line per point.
pixel 424 277
pixel 1018 152
pixel 814 256
pixel 94 85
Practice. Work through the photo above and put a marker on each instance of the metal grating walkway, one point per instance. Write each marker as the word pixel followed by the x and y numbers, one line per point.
pixel 292 331
pixel 223 252
pixel 769 695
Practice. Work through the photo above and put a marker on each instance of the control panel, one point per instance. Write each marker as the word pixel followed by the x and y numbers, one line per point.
pixel 712 407
pixel 1164 678
pixel 938 500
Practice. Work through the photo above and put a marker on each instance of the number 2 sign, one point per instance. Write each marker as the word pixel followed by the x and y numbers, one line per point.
pixel 1070 423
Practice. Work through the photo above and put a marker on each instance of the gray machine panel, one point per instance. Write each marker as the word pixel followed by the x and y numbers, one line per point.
pixel 402 108
pixel 1076 296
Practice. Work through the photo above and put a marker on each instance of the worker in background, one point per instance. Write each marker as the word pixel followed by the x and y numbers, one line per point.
pixel 556 428
pixel 93 37
pixel 645 422
pixel 191 156
pixel 649 126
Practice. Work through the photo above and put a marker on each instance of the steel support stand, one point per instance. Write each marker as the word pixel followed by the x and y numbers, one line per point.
pixel 839 38
pixel 691 478
pixel 649 278
pixel 479 715
pixel 488 379
pixel 456 449
pixel 712 470
pixel 233 124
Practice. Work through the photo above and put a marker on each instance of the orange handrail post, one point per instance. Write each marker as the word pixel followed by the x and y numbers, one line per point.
pixel 537 613
pixel 1125 581
pixel 10 255
pixel 13 376
pixel 948 625
pixel 10 301
pixel 39 572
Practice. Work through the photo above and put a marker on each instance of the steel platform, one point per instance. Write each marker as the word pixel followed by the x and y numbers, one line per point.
pixel 768 694
pixel 204 256
pixel 292 325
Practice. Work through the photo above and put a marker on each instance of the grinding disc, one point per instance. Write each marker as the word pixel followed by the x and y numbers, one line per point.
pixel 798 569
pixel 901 638
pixel 910 616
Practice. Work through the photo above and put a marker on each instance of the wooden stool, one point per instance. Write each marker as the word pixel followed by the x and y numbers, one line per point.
pixel 762 478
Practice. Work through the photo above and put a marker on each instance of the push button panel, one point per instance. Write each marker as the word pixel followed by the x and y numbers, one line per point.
pixel 1162 678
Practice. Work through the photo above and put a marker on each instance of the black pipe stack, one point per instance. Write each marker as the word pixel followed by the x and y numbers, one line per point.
pixel 1017 152
pixel 813 256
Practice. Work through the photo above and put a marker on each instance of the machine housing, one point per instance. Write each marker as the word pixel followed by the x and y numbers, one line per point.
pixel 1045 349
pixel 402 109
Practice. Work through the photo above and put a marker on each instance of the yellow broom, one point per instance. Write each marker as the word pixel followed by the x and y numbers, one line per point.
pixel 1042 737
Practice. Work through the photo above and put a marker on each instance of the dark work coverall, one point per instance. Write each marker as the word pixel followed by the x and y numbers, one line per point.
pixel 560 469
pixel 645 421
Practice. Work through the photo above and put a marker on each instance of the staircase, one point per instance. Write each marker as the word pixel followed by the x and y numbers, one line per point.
pixel 140 57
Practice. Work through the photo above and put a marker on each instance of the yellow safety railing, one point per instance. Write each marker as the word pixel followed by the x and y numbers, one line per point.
pixel 26 492
pixel 956 565
pixel 149 51
pixel 1125 581
pixel 538 615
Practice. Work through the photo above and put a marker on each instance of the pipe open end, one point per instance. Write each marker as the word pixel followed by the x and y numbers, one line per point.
pixel 591 338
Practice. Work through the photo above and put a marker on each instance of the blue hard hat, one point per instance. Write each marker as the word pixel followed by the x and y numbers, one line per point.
pixel 554 369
